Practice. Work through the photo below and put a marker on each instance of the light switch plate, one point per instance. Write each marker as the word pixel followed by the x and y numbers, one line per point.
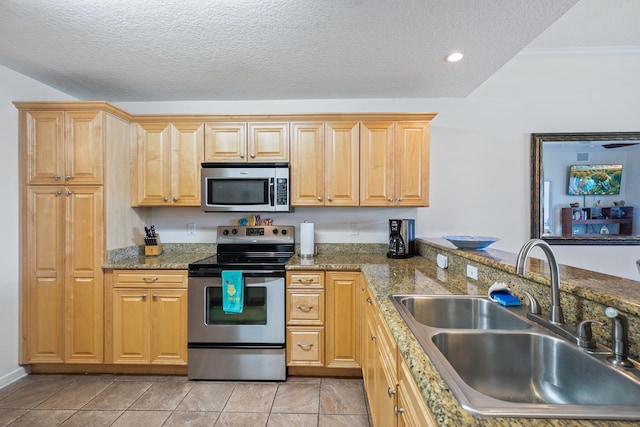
pixel 472 272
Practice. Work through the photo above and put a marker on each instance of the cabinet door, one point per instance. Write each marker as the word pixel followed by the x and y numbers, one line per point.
pixel 83 282
pixel 43 269
pixel 341 325
pixel 411 155
pixel 43 141
pixel 412 410
pixel 341 163
pixel 169 326
pixel 385 389
pixel 376 163
pixel 368 361
pixel 187 154
pixel 153 147
pixel 225 142
pixel 131 329
pixel 268 142
pixel 84 147
pixel 307 164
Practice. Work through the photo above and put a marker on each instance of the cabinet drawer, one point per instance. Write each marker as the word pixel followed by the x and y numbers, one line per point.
pixel 305 346
pixel 299 279
pixel 147 278
pixel 305 308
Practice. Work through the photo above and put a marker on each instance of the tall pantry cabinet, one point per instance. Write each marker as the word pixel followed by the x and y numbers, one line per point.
pixel 68 151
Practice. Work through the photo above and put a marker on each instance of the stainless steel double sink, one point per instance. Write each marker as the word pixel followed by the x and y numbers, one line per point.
pixel 497 363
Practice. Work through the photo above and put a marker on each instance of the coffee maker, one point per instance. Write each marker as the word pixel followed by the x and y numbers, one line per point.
pixel 402 241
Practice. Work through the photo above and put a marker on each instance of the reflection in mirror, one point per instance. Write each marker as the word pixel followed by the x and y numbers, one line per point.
pixel 585 188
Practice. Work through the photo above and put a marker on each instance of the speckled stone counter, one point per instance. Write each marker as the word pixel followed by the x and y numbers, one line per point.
pixel 420 275
pixel 175 256
pixel 584 295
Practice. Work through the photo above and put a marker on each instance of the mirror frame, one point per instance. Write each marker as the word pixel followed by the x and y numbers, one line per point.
pixel 537 179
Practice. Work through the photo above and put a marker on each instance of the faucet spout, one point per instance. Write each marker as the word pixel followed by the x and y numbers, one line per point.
pixel 521 268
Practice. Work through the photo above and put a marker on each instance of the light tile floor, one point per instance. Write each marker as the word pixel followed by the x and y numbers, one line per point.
pixel 125 400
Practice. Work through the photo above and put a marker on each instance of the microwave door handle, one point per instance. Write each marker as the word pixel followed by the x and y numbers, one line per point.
pixel 271 192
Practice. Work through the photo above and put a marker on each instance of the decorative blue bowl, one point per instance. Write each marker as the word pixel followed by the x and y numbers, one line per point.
pixel 471 242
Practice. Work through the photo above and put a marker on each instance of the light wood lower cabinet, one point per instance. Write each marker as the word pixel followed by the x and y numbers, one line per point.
pixel 393 395
pixel 322 333
pixel 411 409
pixel 149 317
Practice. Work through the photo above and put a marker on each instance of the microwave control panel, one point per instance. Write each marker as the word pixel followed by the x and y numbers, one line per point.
pixel 282 193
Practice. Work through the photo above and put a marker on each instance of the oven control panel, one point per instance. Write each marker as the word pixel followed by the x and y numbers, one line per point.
pixel 255 234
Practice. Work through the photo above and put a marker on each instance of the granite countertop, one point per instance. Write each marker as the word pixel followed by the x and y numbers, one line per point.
pixel 418 275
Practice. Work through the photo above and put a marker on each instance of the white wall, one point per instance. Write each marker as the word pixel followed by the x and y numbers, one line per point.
pixel 479 161
pixel 13 87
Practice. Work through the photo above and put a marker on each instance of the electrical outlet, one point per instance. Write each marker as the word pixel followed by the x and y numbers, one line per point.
pixel 442 261
pixel 355 230
pixel 472 272
pixel 191 229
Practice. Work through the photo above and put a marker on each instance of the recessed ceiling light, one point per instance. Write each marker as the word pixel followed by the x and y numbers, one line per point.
pixel 455 57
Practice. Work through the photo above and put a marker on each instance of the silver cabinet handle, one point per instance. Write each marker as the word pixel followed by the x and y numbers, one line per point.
pixel 305 308
pixel 398 410
pixel 242 156
pixel 165 198
pixel 390 391
pixel 373 337
pixel 369 300
pixel 175 199
pixel 57 177
pixel 67 178
pixel 329 199
pixel 154 296
pixel 58 192
pixel 305 280
pixel 389 199
pixel 150 279
pixel 144 296
pixel 319 198
pixel 68 193
pixel 305 346
pixel 253 156
pixel 400 199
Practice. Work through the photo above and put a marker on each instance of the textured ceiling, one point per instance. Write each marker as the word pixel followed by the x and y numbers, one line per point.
pixel 156 50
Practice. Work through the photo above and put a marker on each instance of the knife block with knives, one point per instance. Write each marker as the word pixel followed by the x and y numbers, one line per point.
pixel 152 244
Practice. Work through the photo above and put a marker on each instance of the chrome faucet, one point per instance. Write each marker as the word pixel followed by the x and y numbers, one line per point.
pixel 521 267
pixel 620 337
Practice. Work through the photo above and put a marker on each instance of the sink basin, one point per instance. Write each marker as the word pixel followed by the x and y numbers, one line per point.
pixel 532 368
pixel 459 312
pixel 498 364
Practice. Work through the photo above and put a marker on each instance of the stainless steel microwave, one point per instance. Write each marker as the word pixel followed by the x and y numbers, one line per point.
pixel 245 187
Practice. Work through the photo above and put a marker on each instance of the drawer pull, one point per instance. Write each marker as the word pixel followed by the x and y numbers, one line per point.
pixel 373 337
pixel 305 308
pixel 390 391
pixel 150 279
pixel 305 280
pixel 305 346
pixel 144 296
pixel 369 300
pixel 398 410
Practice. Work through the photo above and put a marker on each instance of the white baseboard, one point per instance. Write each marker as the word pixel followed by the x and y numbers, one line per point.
pixel 13 376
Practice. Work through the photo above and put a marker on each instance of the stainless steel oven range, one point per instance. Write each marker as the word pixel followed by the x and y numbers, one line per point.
pixel 248 345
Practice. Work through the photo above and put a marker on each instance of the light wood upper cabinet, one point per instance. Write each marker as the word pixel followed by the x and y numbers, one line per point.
pixel 325 164
pixel 64 147
pixel 394 162
pixel 166 164
pixel 246 142
pixel 63 275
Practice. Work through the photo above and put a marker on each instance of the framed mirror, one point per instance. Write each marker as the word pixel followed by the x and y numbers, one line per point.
pixel 585 188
